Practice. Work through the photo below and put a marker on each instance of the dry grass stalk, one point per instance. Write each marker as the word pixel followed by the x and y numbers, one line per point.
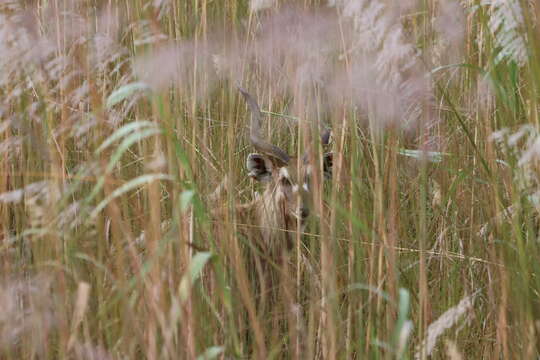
pixel 448 319
pixel 452 351
pixel 77 75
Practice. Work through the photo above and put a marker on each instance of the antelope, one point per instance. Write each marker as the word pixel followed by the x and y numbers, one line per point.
pixel 269 223
pixel 283 207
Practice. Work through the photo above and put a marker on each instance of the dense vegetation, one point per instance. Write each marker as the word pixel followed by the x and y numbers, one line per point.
pixel 122 133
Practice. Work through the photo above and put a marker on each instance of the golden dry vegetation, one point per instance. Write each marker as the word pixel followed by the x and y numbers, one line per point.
pixel 124 139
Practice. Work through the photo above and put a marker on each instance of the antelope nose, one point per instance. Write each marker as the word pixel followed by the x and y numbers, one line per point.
pixel 304 213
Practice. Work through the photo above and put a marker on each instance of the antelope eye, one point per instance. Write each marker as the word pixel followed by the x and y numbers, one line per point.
pixel 285 181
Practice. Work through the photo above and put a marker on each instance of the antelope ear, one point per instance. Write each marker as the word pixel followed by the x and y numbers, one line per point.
pixel 259 168
pixel 327 165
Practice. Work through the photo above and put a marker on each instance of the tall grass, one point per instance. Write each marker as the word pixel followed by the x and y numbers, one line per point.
pixel 120 119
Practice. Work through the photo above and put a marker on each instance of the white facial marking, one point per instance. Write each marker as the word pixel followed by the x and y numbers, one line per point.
pixel 305 186
pixel 284 172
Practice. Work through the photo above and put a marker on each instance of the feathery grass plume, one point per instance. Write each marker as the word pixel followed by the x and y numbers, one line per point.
pixel 360 57
pixel 69 102
pixel 31 312
pixel 89 351
pixel 292 52
pixel 34 189
pixel 106 53
pixel 386 76
pixel 524 146
pixel 51 105
pixel 485 96
pixel 81 307
pixel 163 7
pixel 507 26
pixel 297 49
pixel 452 350
pixel 37 199
pixel 256 5
pixel 303 53
pixel 448 319
pixel 50 57
pixel 46 89
pixel 403 338
pixel 186 65
pixel 450 24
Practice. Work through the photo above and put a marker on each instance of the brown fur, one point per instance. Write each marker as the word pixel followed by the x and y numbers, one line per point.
pixel 272 218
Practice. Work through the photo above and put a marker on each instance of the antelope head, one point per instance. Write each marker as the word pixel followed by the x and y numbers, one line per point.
pixel 285 201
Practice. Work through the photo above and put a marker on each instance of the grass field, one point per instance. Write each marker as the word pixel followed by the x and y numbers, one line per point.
pixel 119 120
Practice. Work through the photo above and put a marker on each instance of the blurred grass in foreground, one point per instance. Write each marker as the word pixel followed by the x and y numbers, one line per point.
pixel 119 119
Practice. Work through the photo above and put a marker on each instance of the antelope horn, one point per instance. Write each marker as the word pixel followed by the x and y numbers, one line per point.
pixel 255 131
